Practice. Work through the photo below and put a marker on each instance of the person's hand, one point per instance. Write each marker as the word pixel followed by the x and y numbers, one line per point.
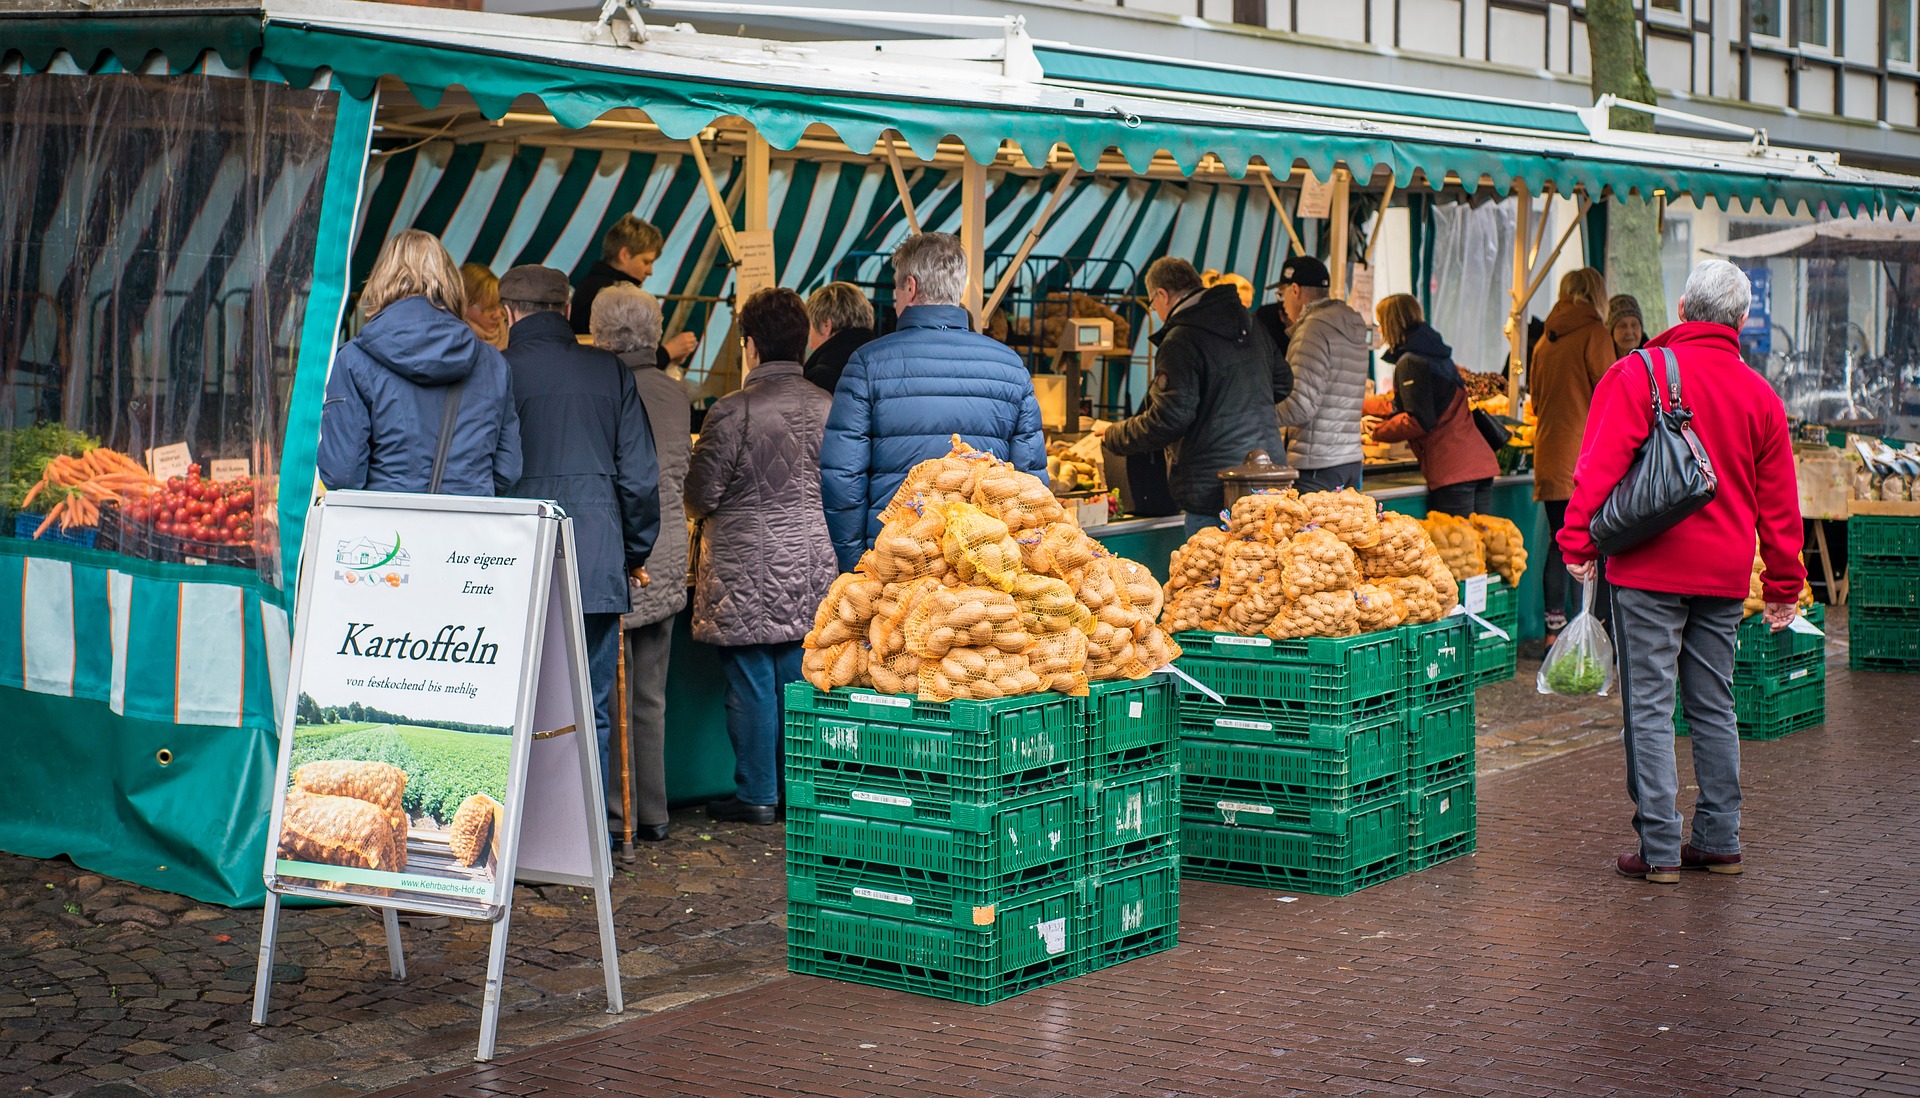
pixel 1779 615
pixel 1368 423
pixel 640 577
pixel 681 347
pixel 1583 572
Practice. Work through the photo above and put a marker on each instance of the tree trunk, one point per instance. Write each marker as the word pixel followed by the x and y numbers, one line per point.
pixel 1633 226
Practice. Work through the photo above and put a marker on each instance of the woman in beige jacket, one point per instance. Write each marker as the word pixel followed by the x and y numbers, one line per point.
pixel 1571 357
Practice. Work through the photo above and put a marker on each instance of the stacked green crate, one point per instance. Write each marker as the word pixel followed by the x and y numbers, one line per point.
pixel 1883 592
pixel 1295 779
pixel 935 847
pixel 1779 680
pixel 1130 804
pixel 1494 657
pixel 1440 777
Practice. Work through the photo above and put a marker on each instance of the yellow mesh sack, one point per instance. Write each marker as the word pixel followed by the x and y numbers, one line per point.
pixel 1268 515
pixel 1319 614
pixel 1057 549
pixel 955 617
pixel 1504 548
pixel 339 831
pixel 1188 608
pixel 931 483
pixel 1402 551
pixel 1198 562
pixel 908 548
pixel 1316 560
pixel 1156 650
pixel 1060 659
pixel 1458 543
pixel 1445 587
pixel 1049 605
pixel 846 611
pixel 835 665
pixel 1351 516
pixel 1142 590
pixel 472 837
pixel 382 785
pixel 1378 607
pixel 977 546
pixel 970 673
pixel 1018 499
pixel 1420 603
pixel 1249 592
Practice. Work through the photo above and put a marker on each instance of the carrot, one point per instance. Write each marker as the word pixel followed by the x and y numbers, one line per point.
pixel 48 521
pixel 84 513
pixel 36 491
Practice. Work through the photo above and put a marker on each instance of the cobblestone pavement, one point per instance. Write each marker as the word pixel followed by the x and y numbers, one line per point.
pixel 114 989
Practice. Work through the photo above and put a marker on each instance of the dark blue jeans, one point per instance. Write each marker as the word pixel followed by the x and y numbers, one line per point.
pixel 1330 479
pixel 603 666
pixel 757 678
pixel 1198 522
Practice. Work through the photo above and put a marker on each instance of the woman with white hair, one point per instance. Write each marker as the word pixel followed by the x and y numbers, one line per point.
pixel 626 321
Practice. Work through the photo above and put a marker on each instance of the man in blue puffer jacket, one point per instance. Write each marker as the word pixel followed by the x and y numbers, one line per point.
pixel 905 395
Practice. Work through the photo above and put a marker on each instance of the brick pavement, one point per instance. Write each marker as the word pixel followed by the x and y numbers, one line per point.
pixel 105 983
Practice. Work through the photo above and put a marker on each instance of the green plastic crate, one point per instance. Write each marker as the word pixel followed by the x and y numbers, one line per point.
pixel 1785 674
pixel 1310 677
pixel 1122 717
pixel 1441 810
pixel 972 741
pixel 1883 541
pixel 1033 941
pixel 1131 819
pixel 1769 716
pixel 1270 809
pixel 1132 913
pixel 1373 850
pixel 1503 600
pixel 916 796
pixel 1494 660
pixel 1432 854
pixel 1201 719
pixel 1880 641
pixel 1876 588
pixel 1361 755
pixel 1438 658
pixel 1441 732
pixel 1759 650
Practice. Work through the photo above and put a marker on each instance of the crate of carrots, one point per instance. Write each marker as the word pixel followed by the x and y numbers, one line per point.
pixel 64 505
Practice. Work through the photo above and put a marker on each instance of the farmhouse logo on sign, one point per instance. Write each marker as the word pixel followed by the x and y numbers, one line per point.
pixel 365 561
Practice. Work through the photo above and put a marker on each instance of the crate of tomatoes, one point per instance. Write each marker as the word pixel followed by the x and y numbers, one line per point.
pixel 188 519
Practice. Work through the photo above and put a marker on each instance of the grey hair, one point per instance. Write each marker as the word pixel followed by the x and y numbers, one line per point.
pixel 1717 292
pixel 937 263
pixel 625 318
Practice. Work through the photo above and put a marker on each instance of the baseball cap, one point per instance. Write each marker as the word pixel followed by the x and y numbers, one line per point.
pixel 535 285
pixel 1301 270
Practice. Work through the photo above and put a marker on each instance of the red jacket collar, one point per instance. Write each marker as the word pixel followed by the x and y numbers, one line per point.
pixel 1699 335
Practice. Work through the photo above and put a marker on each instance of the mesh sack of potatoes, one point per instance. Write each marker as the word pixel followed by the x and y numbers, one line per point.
pixel 949 479
pixel 1403 550
pixel 1060 660
pixel 1143 591
pixel 1349 515
pixel 340 831
pixel 1316 560
pixel 1049 605
pixel 1505 550
pixel 1317 614
pixel 977 674
pixel 978 547
pixel 1445 587
pixel 1420 604
pixel 845 612
pixel 1756 601
pixel 1268 515
pixel 1378 607
pixel 890 667
pixel 836 665
pixel 1458 543
pixel 1198 562
pixel 1115 653
pixel 964 617
pixel 1156 650
pixel 909 548
pixel 471 836
pixel 381 785
pixel 1189 608
pixel 1021 500
pixel 1249 592
pixel 1057 549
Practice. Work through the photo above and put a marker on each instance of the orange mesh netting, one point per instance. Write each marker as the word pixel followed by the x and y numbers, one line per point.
pixel 1319 614
pixel 1317 560
pixel 1403 549
pixel 1459 544
pixel 1268 515
pixel 1351 516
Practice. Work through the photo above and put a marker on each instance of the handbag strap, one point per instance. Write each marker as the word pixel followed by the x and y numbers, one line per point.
pixel 450 412
pixel 1673 405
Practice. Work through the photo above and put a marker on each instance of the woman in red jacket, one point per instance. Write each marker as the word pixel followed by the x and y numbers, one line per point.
pixel 1677 598
pixel 1430 412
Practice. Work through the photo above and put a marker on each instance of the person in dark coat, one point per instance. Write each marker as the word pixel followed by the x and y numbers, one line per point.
pixel 588 447
pixel 765 559
pixel 1273 317
pixel 626 321
pixel 1214 388
pixel 840 322
pixel 905 395
pixel 386 398
pixel 628 252
pixel 1431 413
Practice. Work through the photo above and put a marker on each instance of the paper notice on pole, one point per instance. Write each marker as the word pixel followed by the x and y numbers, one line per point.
pixel 1360 292
pixel 1316 197
pixel 232 469
pixel 169 461
pixel 756 270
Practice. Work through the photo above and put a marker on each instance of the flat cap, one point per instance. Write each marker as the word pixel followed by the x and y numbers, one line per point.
pixel 535 285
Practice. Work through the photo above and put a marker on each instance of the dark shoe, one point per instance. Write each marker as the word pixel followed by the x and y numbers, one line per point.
pixel 735 810
pixel 650 833
pixel 1712 863
pixel 1633 865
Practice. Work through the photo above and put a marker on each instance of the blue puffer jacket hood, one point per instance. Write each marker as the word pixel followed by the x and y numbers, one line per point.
pixel 425 345
pixel 902 399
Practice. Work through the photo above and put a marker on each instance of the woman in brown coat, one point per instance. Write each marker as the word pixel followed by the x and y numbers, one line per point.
pixel 1571 357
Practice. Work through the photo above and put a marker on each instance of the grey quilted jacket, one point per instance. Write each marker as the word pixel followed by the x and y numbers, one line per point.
pixel 1328 350
pixel 671 415
pixel 754 485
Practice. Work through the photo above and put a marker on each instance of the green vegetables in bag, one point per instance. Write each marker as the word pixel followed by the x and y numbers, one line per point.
pixel 1576 673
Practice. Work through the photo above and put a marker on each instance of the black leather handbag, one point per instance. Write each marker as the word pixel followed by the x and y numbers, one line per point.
pixel 1491 429
pixel 1671 476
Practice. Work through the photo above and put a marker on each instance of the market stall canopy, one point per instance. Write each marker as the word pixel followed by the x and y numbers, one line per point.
pixel 1885 239
pixel 991 96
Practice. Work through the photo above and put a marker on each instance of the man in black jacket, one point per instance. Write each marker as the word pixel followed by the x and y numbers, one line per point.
pixel 627 254
pixel 588 445
pixel 1212 399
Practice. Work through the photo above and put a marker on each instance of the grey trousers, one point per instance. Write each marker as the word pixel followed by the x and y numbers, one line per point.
pixel 647 650
pixel 1663 640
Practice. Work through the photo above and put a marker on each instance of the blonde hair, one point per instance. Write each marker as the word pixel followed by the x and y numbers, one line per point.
pixel 1398 314
pixel 482 285
pixel 413 263
pixel 840 304
pixel 1585 284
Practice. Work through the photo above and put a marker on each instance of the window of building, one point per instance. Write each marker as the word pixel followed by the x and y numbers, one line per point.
pixel 1899 25
pixel 1252 13
pixel 1667 11
pixel 1767 20
pixel 1813 23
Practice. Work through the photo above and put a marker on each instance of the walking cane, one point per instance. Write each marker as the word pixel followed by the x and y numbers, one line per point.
pixel 626 751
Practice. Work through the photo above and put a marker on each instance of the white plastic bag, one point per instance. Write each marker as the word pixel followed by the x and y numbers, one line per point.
pixel 1580 663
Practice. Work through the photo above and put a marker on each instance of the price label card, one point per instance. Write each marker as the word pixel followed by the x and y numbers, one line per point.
pixel 232 468
pixel 1800 624
pixel 1316 198
pixel 169 461
pixel 1476 598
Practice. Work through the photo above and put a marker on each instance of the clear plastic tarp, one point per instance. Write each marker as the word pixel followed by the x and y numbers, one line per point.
pixel 156 248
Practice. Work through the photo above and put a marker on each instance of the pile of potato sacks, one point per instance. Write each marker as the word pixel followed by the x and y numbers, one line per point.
pixel 977 587
pixel 1479 544
pixel 1326 564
